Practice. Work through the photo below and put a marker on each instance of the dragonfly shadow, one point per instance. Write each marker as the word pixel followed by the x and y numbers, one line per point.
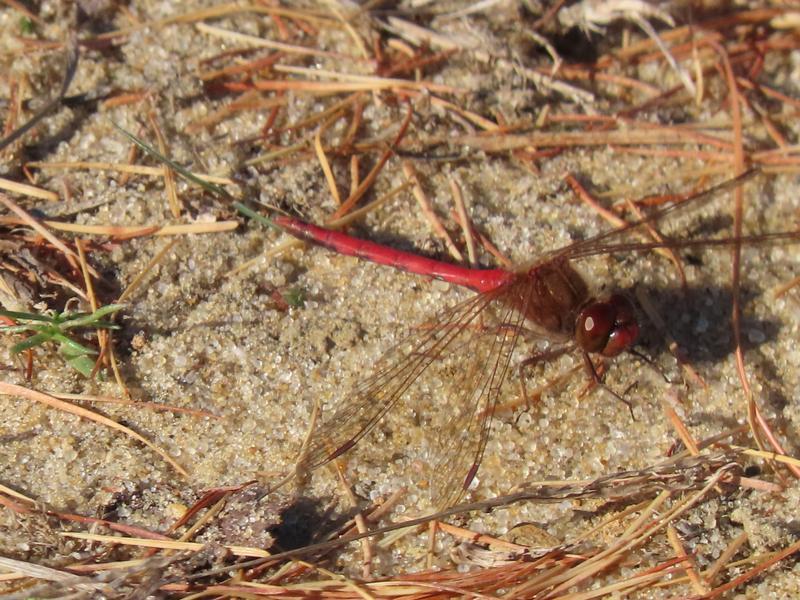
pixel 706 227
pixel 699 319
pixel 772 401
pixel 305 522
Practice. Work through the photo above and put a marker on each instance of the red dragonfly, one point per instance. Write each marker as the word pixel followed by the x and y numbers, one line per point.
pixel 459 360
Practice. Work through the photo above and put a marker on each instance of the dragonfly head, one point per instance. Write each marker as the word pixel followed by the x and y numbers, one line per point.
pixel 607 328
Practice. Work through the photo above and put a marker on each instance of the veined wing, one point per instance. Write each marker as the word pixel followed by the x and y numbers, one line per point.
pixel 481 364
pixel 451 369
pixel 614 240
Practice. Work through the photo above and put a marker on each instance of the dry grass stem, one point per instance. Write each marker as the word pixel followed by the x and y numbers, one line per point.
pixel 428 212
pixel 242 38
pixel 137 404
pixel 670 401
pixel 711 574
pixel 122 168
pixel 11 389
pixel 326 166
pixel 160 544
pixel 147 270
pixel 27 190
pixel 126 232
pixel 34 224
pixel 464 221
pixel 169 176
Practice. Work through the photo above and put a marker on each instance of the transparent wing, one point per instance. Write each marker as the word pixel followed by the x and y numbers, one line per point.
pixel 479 378
pixel 614 239
pixel 450 370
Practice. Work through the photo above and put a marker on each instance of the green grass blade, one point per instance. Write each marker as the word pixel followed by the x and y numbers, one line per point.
pixel 248 212
pixel 105 325
pixel 82 364
pixel 21 328
pixel 25 316
pixel 90 319
pixel 31 342
pixel 183 172
pixel 74 347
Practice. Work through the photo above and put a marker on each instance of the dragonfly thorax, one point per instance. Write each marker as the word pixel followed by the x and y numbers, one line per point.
pixel 557 299
pixel 556 295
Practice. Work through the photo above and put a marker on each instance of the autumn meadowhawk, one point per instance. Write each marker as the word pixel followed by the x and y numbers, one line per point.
pixel 456 366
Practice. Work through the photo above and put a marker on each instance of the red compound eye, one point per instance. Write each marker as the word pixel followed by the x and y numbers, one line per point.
pixel 607 328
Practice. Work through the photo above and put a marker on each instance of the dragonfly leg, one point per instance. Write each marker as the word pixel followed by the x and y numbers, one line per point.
pixel 597 380
pixel 531 362
pixel 650 363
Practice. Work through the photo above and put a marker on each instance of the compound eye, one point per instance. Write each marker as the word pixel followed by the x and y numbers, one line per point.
pixel 626 329
pixel 595 325
pixel 607 328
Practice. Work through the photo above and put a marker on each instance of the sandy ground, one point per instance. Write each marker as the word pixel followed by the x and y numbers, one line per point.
pixel 196 336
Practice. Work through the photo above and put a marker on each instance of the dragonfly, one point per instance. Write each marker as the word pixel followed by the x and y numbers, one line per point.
pixel 459 361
